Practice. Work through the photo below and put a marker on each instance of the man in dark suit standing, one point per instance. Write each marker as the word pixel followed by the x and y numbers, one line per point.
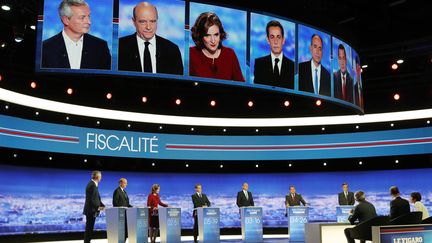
pixel 199 200
pixel 93 204
pixel 294 199
pixel 74 48
pixel 270 69
pixel 346 197
pixel 362 212
pixel 313 77
pixel 244 197
pixel 144 51
pixel 120 197
pixel 343 82
pixel 398 206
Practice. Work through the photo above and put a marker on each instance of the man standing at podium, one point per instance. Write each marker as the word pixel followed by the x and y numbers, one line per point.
pixel 346 197
pixel 294 199
pixel 199 200
pixel 120 197
pixel 244 197
pixel 93 204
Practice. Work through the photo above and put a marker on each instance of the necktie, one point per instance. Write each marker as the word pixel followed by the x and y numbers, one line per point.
pixel 276 68
pixel 343 87
pixel 316 81
pixel 247 196
pixel 147 58
pixel 293 196
pixel 346 196
pixel 125 194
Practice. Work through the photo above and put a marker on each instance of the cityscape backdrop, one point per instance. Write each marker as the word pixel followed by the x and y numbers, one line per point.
pixel 41 200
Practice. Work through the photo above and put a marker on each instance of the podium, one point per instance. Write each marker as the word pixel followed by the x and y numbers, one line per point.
pixel 297 218
pixel 342 213
pixel 115 219
pixel 137 224
pixel 208 224
pixel 170 225
pixel 251 224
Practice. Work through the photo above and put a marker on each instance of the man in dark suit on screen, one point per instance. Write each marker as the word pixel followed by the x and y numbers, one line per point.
pixel 294 199
pixel 144 51
pixel 199 200
pixel 275 69
pixel 346 197
pixel 313 77
pixel 244 197
pixel 398 206
pixel 343 82
pixel 93 205
pixel 74 48
pixel 362 212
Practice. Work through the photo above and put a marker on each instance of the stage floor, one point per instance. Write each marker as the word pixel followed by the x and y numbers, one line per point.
pixel 189 239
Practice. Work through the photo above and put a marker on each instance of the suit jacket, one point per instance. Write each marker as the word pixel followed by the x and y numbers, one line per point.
pixel 346 200
pixel 95 53
pixel 358 99
pixel 168 57
pixel 263 72
pixel 306 81
pixel 242 201
pixel 362 212
pixel 296 201
pixel 120 198
pixel 399 207
pixel 200 201
pixel 92 200
pixel 338 86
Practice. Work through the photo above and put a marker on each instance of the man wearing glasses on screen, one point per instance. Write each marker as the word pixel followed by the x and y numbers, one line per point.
pixel 144 51
pixel 313 77
pixel 74 48
pixel 275 69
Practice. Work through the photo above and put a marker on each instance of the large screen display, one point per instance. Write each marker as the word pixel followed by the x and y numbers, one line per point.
pixel 186 40
pixel 42 200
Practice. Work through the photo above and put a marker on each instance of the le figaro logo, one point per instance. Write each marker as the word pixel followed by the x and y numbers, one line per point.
pixel 112 142
pixel 415 239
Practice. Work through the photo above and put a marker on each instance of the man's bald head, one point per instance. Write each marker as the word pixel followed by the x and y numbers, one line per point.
pixel 144 6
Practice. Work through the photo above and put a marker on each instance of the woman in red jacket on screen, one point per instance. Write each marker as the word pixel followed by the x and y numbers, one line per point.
pixel 208 58
pixel 153 201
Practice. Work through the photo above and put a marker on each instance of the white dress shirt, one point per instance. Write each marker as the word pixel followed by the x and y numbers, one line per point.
pixel 74 50
pixel 95 182
pixel 152 50
pixel 313 67
pixel 419 207
pixel 273 57
pixel 246 194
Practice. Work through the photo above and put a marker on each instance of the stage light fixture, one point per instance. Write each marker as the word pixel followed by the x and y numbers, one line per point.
pixel 187 165
pixel 153 164
pixel 323 129
pixel 224 130
pixel 37 113
pixel 257 130
pixel 324 164
pixel 428 122
pixel 392 124
pixel 192 129
pixel 221 166
pixel 394 66
pixel 109 96
pixel 178 101
pixel 128 125
pixel 397 161
pixel 213 103
pixel 195 83
pixel 3 45
pixel 360 162
pixel 144 99
pixel 69 91
pixel 85 160
pixel 357 127
pixel 6 7
pixel 1 77
pixel 67 118
pixel 160 127
pixel 97 122
pixel 257 165
pixel 364 66
pixel 15 155
pixel 318 102
pixel 290 165
pixel 50 158
pixel 250 103
pixel 286 103
pixel 396 97
pixel 6 107
pixel 400 61
pixel 33 85
pixel 289 130
pixel 33 27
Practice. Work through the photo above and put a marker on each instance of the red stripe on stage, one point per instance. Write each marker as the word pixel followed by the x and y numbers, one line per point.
pixel 402 230
pixel 287 147
pixel 115 20
pixel 40 136
pixel 40 17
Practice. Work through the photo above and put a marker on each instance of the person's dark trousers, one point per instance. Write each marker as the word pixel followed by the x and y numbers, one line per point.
pixel 90 222
pixel 195 228
pixel 349 237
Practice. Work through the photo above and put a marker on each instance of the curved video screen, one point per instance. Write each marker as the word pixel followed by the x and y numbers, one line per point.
pixel 186 40
pixel 44 200
pixel 41 136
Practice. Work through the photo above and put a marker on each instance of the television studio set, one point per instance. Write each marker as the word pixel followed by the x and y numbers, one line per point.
pixel 128 121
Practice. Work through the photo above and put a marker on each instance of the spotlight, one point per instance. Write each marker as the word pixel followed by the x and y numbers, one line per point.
pixel 397 161
pixel 257 130
pixel 221 166
pixel 224 130
pixel 187 165
pixel 290 165
pixel 50 158
pixel 250 103
pixel 97 122
pixel 286 103
pixel 19 38
pixel 109 96
pixel 128 125
pixel 396 97
pixel 392 124
pixel 428 122
pixel 318 102
pixel 192 129
pixel 360 162
pixel 178 101
pixel 289 130
pixel 37 113
pixel 69 91
pixel 324 164
pixel 394 66
pixel 196 83
pixel 213 103
pixel 160 127
pixel 67 118
pixel 15 155
pixel 19 33
pixel 6 7
pixel 3 45
pixel 144 99
pixel 400 61
pixel 357 127
pixel 257 165
pixel 153 164
pixel 1 77
pixel 6 107
pixel 323 129
pixel 85 160
pixel 33 85
pixel 364 66
pixel 33 27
